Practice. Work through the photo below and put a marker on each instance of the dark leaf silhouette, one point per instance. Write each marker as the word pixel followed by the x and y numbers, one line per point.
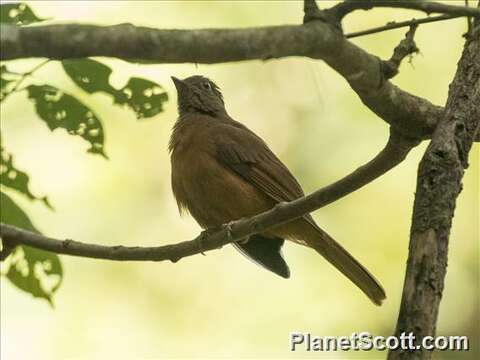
pixel 60 110
pixel 17 13
pixel 35 271
pixel 90 75
pixel 143 96
pixel 14 178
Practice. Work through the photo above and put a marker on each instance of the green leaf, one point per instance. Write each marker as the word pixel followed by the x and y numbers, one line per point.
pixel 90 75
pixel 60 110
pixel 143 96
pixel 16 179
pixel 18 14
pixel 12 214
pixel 32 270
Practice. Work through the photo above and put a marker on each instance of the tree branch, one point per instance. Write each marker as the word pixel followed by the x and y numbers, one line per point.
pixel 395 25
pixel 409 114
pixel 406 47
pixel 344 8
pixel 439 183
pixel 394 152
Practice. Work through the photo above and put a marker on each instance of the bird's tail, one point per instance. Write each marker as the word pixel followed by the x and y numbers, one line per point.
pixel 266 252
pixel 340 258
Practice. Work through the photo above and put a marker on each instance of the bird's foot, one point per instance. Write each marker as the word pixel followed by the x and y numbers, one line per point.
pixel 208 232
pixel 228 228
pixel 203 235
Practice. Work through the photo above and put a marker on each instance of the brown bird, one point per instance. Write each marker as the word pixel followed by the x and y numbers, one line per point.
pixel 222 171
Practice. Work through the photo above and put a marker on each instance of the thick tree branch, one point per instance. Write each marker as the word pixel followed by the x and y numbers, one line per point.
pixel 409 114
pixel 439 183
pixel 394 152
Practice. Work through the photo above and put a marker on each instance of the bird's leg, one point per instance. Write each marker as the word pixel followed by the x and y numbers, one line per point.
pixel 228 227
pixel 205 234
pixel 211 230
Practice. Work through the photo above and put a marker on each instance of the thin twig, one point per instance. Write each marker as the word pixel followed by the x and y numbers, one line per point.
pixel 406 48
pixel 396 25
pixel 469 20
pixel 23 76
pixel 344 8
pixel 394 152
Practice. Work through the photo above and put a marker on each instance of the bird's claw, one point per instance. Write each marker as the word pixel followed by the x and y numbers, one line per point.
pixel 207 232
pixel 203 235
pixel 228 228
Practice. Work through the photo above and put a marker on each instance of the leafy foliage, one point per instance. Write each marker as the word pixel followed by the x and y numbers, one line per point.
pixel 60 110
pixel 143 96
pixel 14 178
pixel 34 271
pixel 18 14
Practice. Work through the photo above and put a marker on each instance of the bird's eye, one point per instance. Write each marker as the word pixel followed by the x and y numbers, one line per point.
pixel 207 86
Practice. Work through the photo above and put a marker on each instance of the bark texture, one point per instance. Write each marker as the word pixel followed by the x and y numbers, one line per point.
pixel 439 183
pixel 410 115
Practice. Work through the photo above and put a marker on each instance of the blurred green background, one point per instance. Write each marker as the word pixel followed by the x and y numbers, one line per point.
pixel 220 305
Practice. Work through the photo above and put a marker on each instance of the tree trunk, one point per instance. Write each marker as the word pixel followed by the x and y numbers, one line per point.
pixel 439 183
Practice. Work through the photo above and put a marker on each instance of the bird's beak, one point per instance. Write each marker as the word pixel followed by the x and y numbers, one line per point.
pixel 179 84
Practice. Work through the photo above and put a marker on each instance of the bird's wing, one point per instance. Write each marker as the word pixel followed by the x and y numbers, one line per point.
pixel 247 155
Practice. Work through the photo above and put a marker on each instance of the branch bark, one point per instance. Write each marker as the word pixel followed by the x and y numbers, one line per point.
pixel 400 24
pixel 346 7
pixel 319 38
pixel 406 48
pixel 393 153
pixel 408 114
pixel 438 185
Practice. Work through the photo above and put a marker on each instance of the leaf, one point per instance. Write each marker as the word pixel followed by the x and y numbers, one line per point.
pixel 18 14
pixel 60 110
pixel 90 75
pixel 16 179
pixel 32 270
pixel 143 96
pixel 12 214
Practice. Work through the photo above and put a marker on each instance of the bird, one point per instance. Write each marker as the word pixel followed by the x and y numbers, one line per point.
pixel 222 171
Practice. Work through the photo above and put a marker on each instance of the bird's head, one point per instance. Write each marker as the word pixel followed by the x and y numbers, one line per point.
pixel 197 94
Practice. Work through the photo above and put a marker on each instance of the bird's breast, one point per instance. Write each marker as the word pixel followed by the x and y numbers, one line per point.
pixel 209 191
